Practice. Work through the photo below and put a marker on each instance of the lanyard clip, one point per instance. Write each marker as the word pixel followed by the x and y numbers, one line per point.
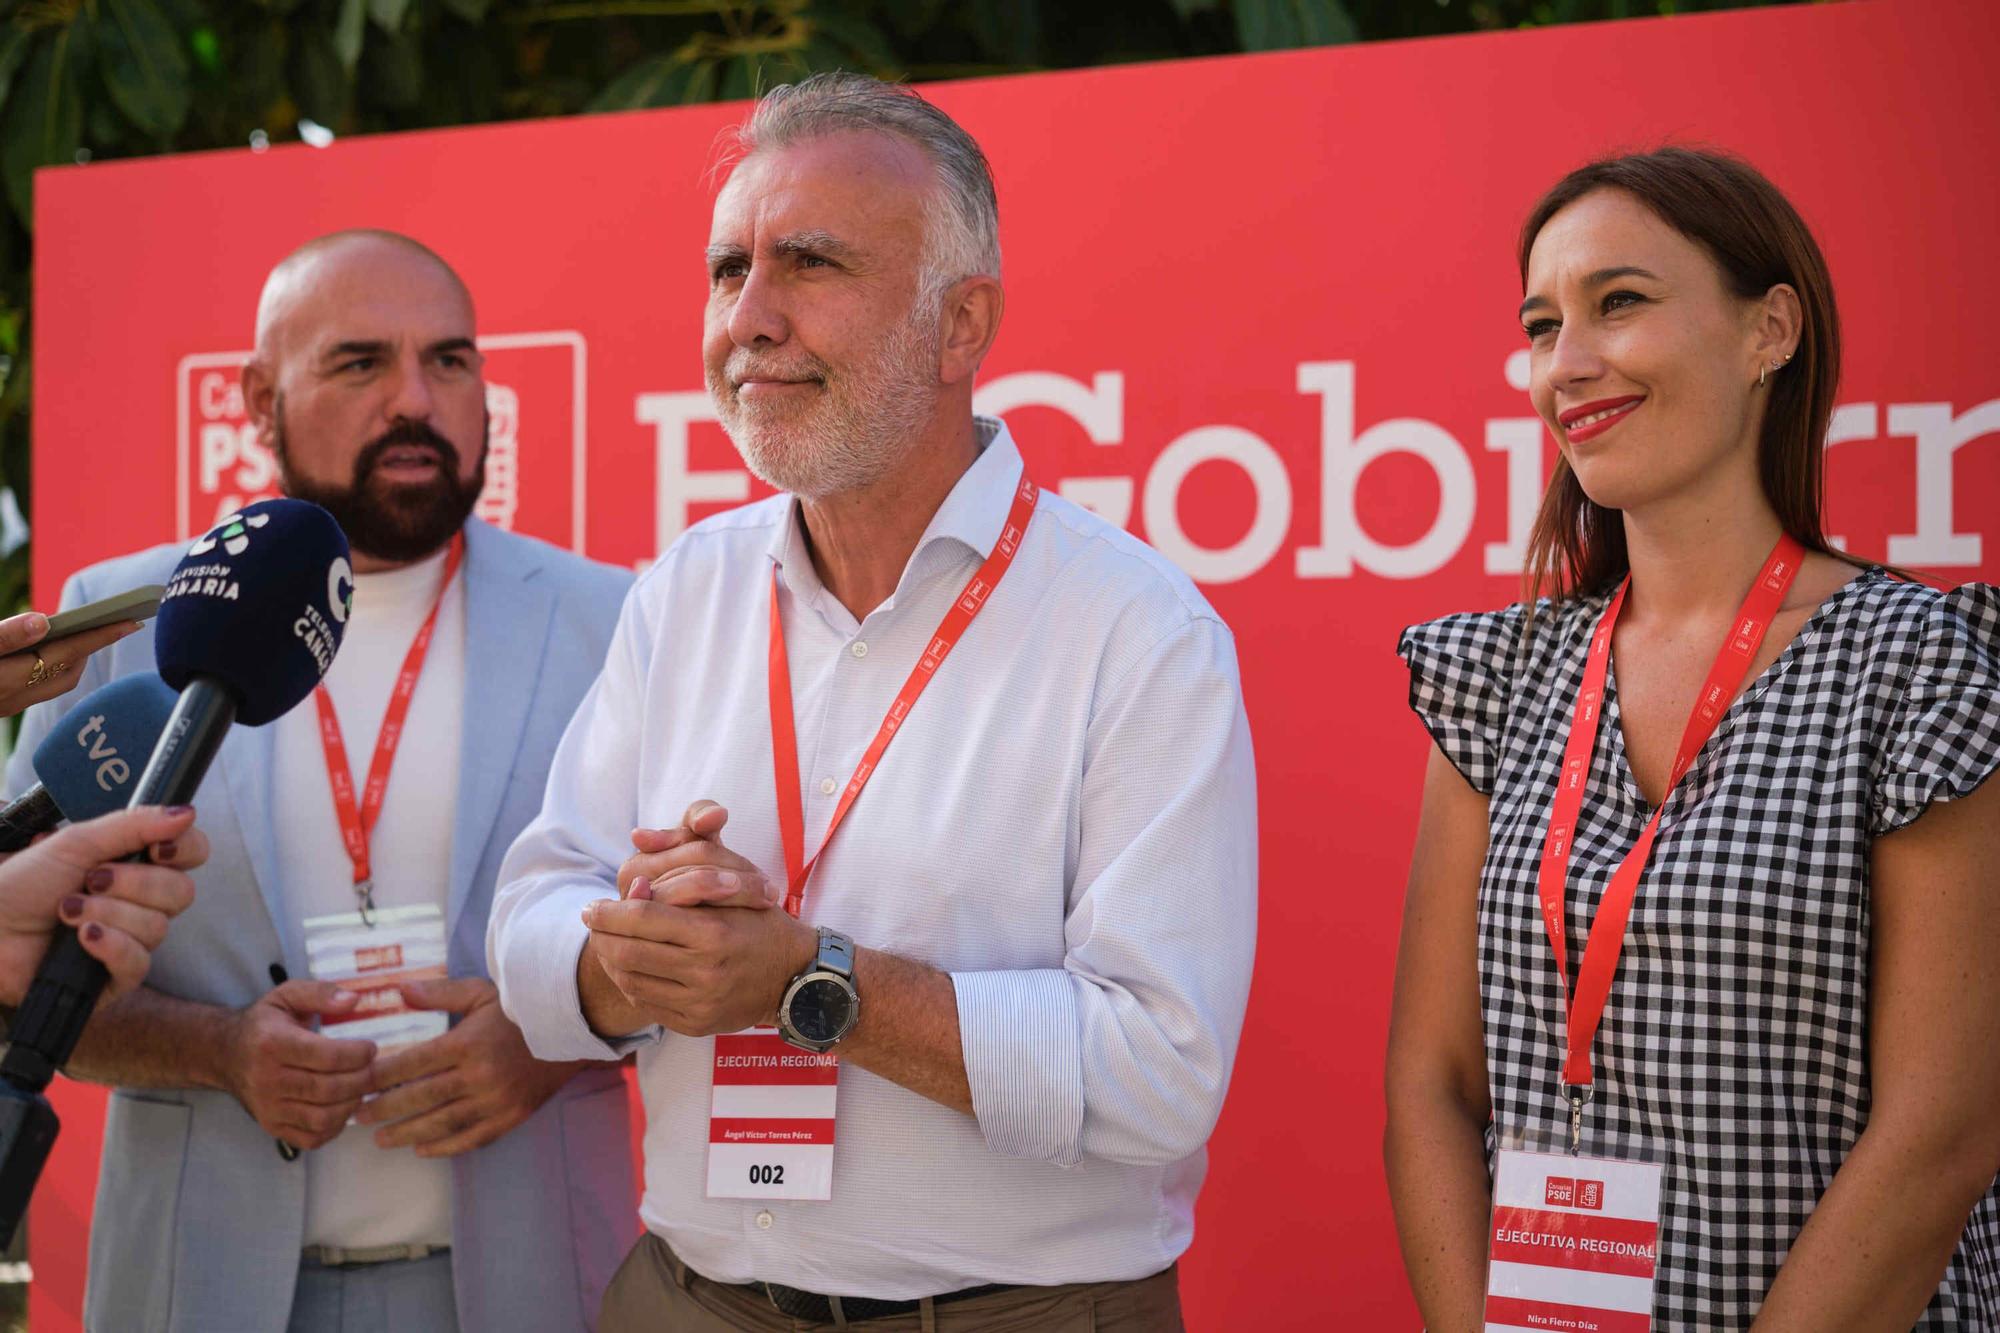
pixel 1579 1097
pixel 365 891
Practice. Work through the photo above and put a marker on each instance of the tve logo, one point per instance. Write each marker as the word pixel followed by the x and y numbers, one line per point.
pixel 536 450
pixel 112 769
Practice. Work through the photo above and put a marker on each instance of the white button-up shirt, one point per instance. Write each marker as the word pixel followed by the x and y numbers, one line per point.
pixel 1067 824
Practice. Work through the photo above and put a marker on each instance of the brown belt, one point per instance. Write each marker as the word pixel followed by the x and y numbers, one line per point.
pixel 820 1309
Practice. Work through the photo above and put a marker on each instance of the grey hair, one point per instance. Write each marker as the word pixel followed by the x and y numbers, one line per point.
pixel 961 216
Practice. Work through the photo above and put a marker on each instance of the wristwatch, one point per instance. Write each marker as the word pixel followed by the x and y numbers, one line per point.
pixel 821 1004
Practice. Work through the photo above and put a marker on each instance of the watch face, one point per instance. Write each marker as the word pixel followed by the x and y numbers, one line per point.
pixel 822 1009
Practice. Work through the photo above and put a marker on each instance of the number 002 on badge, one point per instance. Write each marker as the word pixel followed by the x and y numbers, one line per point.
pixel 1574 1243
pixel 770 1119
pixel 404 944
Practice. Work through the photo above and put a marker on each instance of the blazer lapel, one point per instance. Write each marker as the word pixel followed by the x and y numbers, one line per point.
pixel 245 764
pixel 507 613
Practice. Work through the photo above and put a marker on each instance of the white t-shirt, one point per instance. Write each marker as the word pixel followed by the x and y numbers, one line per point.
pixel 359 1195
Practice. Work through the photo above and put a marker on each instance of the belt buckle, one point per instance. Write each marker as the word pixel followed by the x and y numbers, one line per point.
pixel 804 1304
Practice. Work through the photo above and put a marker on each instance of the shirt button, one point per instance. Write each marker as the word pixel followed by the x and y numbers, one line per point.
pixel 764 1220
pixel 859 649
pixel 826 786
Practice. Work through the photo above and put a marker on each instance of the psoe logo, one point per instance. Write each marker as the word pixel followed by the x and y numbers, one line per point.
pixel 535 441
pixel 1573 1192
pixel 232 534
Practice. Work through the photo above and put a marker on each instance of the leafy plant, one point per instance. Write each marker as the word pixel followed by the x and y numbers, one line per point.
pixel 84 80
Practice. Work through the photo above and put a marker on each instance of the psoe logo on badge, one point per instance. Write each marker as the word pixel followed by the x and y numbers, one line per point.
pixel 378 957
pixel 535 438
pixel 1590 1194
pixel 1560 1192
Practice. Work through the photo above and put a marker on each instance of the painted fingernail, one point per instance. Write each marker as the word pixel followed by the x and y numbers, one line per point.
pixel 164 851
pixel 178 810
pixel 72 908
pixel 37 623
pixel 98 880
pixel 93 932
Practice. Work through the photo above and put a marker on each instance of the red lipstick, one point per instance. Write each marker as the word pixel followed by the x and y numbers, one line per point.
pixel 1589 420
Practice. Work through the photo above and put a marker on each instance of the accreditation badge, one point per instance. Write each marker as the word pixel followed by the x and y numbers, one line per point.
pixel 373 955
pixel 1573 1244
pixel 770 1118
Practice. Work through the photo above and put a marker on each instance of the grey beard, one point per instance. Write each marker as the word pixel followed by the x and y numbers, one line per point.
pixel 856 433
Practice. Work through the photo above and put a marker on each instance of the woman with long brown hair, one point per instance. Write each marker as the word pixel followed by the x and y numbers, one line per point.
pixel 1708 869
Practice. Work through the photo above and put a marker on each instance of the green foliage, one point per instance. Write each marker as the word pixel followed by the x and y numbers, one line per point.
pixel 84 80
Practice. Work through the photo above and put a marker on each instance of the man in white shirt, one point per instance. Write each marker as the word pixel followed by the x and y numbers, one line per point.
pixel 1028 938
pixel 264 1171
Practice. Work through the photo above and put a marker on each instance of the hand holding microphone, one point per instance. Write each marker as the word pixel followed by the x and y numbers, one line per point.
pixel 120 911
pixel 249 623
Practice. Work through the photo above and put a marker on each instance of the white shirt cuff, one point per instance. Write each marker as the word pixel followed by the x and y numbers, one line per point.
pixel 537 978
pixel 1018 1032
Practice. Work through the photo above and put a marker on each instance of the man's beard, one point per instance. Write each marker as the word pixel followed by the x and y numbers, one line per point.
pixel 397 523
pixel 853 431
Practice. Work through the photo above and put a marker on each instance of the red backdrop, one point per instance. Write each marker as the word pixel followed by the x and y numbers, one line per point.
pixel 1261 309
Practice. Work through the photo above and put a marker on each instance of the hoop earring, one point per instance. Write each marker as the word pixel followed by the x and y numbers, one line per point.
pixel 1762 370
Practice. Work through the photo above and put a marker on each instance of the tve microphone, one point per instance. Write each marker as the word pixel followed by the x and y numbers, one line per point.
pixel 87 766
pixel 250 621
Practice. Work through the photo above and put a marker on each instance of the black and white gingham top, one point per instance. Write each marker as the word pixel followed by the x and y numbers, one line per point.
pixel 1734 1044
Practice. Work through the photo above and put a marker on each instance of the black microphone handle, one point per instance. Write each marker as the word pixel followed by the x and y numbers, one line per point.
pixel 59 1002
pixel 21 819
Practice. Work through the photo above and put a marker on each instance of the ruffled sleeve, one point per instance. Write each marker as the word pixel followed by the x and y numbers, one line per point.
pixel 1941 737
pixel 1461 685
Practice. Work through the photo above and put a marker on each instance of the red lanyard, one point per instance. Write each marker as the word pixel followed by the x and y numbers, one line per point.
pixel 1607 934
pixel 784 734
pixel 357 823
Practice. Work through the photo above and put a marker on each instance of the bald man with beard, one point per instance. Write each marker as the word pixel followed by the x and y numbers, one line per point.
pixel 261 1172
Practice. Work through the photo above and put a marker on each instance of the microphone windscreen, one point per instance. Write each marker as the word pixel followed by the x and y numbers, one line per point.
pixel 90 762
pixel 259 603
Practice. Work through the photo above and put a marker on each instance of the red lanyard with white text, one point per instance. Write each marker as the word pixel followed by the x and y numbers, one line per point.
pixel 1607 934
pixel 784 734
pixel 356 823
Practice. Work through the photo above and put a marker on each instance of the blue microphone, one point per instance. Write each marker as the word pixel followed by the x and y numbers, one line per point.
pixel 248 625
pixel 87 766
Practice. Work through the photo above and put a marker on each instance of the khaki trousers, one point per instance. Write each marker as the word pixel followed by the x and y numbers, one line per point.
pixel 654 1292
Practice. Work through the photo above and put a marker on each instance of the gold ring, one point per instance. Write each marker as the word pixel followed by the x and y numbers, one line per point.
pixel 39 672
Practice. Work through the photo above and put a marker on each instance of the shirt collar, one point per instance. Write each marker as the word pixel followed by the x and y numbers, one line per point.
pixel 971 515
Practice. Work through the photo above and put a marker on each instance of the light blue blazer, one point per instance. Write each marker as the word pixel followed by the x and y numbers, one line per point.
pixel 199 1221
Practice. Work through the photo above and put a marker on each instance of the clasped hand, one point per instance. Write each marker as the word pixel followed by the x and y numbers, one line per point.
pixel 453 1093
pixel 691 941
